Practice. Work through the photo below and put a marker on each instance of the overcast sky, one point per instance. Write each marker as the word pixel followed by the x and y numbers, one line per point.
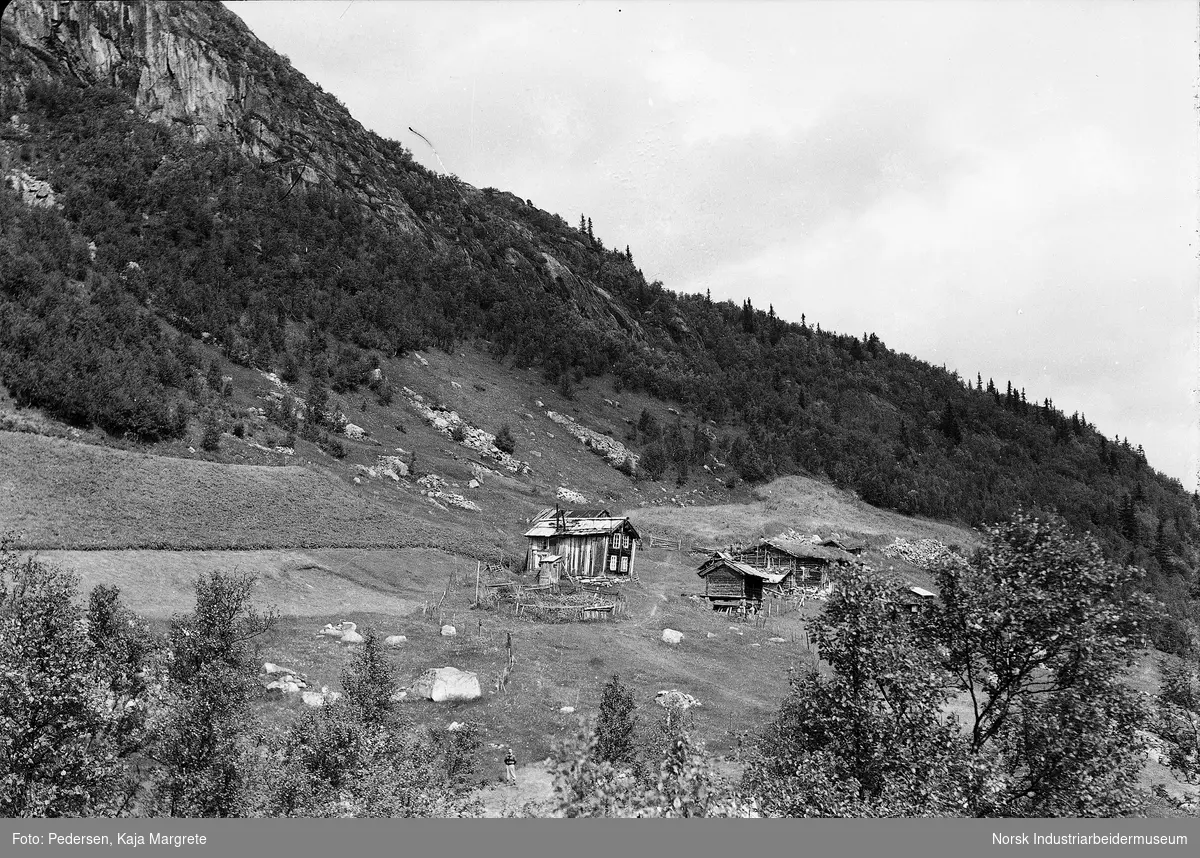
pixel 1006 188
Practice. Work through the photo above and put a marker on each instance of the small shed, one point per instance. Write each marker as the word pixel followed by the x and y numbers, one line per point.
pixel 915 600
pixel 730 583
pixel 585 543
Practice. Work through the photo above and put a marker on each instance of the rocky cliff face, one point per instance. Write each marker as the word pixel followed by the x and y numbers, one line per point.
pixel 196 66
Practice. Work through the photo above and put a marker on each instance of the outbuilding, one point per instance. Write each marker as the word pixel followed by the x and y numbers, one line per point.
pixel 730 583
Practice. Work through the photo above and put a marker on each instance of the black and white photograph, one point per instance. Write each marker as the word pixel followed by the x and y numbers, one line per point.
pixel 528 409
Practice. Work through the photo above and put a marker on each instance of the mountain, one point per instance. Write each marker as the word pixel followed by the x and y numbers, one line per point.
pixel 177 187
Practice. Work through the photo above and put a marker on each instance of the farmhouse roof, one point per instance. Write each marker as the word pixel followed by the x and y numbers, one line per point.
pixel 720 558
pixel 579 526
pixel 923 593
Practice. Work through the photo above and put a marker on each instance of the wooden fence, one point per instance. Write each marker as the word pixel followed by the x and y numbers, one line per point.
pixel 654 540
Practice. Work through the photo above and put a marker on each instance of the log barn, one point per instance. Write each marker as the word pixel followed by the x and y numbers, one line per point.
pixel 730 583
pixel 806 562
pixel 580 543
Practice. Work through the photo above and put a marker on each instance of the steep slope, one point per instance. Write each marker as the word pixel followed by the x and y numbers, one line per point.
pixel 197 68
pixel 197 190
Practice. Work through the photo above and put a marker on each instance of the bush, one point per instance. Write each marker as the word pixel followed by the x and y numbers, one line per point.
pixel 505 442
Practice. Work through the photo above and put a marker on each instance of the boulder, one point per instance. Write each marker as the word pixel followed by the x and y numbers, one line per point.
pixel 286 686
pixel 331 631
pixel 440 684
pixel 566 710
pixel 671 636
pixel 449 631
pixel 394 640
pixel 319 698
pixel 675 699
pixel 351 637
pixel 271 669
pixel 354 432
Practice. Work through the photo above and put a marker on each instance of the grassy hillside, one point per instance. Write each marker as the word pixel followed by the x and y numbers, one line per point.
pixel 61 493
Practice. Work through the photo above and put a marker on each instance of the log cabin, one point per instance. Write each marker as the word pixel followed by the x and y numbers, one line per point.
pixel 730 583
pixel 807 562
pixel 580 543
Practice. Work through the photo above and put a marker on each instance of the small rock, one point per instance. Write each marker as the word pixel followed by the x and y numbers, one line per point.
pixel 394 640
pixel 449 631
pixel 566 710
pixel 474 484
pixel 671 636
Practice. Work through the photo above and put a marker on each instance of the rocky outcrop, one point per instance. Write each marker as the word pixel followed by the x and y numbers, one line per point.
pixel 602 445
pixel 198 68
pixel 32 191
pixel 450 423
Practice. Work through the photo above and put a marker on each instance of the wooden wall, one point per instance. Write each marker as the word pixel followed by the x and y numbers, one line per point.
pixel 724 583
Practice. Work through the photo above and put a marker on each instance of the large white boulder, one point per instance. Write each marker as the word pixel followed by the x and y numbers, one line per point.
pixel 449 631
pixel 674 699
pixel 671 636
pixel 440 684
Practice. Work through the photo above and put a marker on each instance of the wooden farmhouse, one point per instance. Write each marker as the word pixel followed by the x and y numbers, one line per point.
pixel 580 543
pixel 740 577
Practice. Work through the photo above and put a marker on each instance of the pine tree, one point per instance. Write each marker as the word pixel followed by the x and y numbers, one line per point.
pixel 616 724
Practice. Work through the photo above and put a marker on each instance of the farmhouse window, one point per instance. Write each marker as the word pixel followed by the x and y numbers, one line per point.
pixel 612 563
pixel 616 540
pixel 625 564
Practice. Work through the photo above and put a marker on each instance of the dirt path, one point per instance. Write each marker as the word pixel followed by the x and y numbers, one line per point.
pixel 532 795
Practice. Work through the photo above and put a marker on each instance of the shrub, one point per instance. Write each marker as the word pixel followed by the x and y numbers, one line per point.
pixel 505 442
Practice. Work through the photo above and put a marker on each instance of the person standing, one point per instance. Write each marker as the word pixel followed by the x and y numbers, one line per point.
pixel 510 767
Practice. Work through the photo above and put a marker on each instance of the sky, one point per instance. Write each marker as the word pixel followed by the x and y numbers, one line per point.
pixel 1005 188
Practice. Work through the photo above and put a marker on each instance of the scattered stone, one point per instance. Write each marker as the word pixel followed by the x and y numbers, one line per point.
pixel 331 630
pixel 570 495
pixel 671 636
pixel 320 698
pixel 613 451
pixel 271 669
pixel 357 481
pixel 777 640
pixel 394 640
pixel 711 635
pixel 420 359
pixel 449 631
pixel 474 484
pixel 350 634
pixel 447 422
pixel 354 432
pixel 440 684
pixel 456 726
pixel 456 385
pixel 397 696
pixel 566 710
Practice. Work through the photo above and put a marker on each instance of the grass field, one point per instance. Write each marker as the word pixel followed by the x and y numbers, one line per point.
pixel 58 493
